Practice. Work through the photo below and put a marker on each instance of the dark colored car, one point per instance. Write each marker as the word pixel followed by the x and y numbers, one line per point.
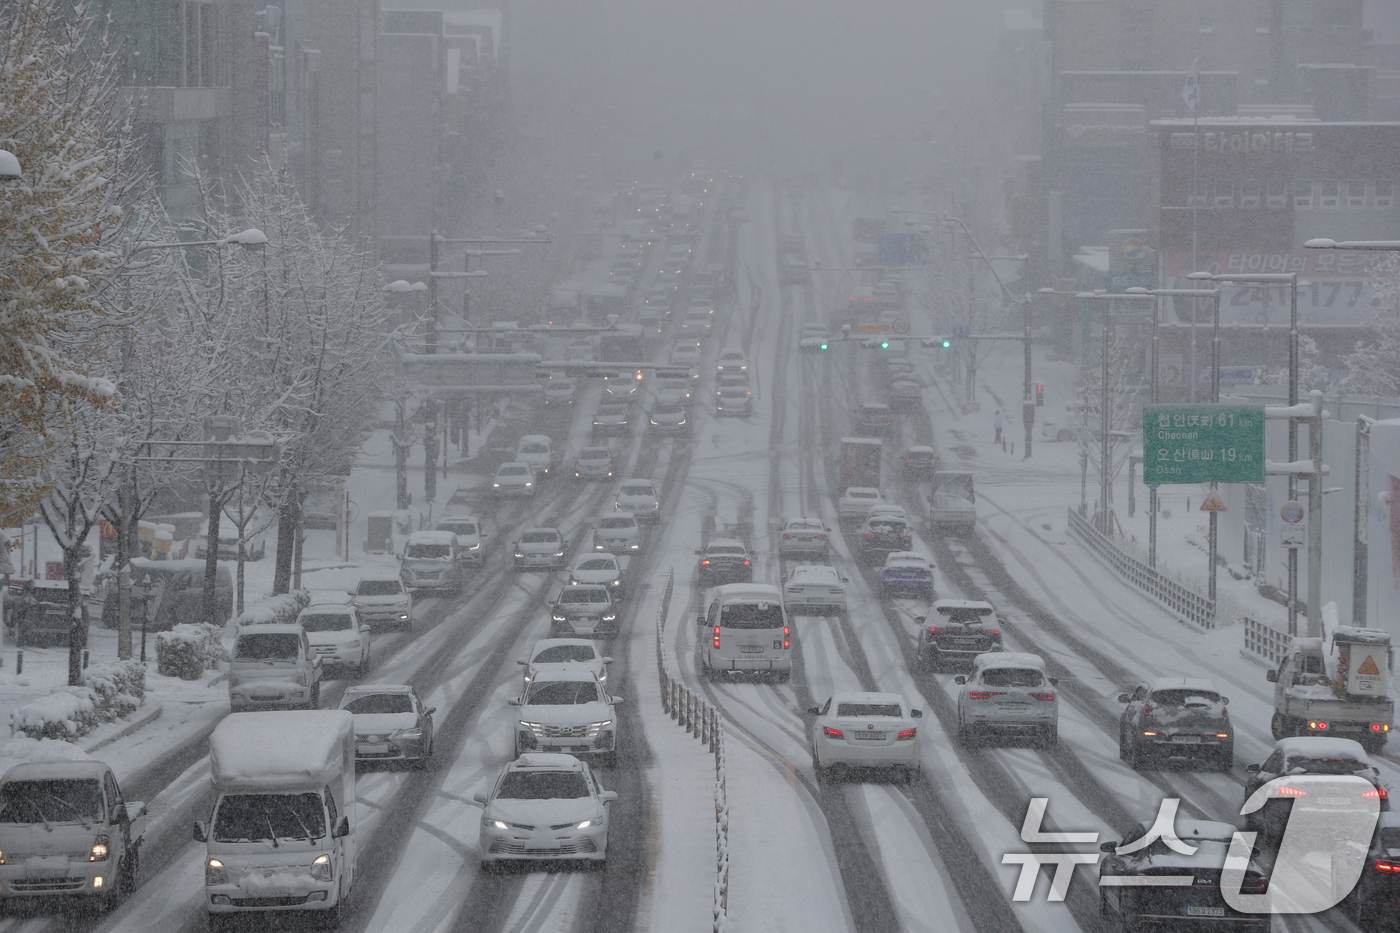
pixel 1376 897
pixel 1126 894
pixel 1176 719
pixel 920 463
pixel 873 417
pixel 725 560
pixel 39 612
pixel 882 534
pixel 1307 757
pixel 957 630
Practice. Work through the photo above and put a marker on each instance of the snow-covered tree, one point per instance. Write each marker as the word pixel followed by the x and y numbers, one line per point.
pixel 61 116
pixel 1373 368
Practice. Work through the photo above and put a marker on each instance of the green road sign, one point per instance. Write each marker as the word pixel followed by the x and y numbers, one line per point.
pixel 1201 443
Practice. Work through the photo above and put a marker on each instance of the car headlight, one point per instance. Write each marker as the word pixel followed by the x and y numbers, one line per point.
pixel 584 824
pixel 496 485
pixel 558 553
pixel 321 868
pixel 609 616
pixel 353 644
pixel 519 553
pixel 617 582
pixel 573 582
pixel 412 733
pixel 99 850
pixel 475 547
pixel 214 872
pixel 493 824
pixel 558 616
pixel 528 484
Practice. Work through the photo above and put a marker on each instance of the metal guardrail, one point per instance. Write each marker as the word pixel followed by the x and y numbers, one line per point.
pixel 1264 641
pixel 1189 604
pixel 701 720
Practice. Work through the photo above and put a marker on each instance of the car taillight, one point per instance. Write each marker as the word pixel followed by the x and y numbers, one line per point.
pixel 906 735
pixel 1043 696
pixel 869 534
pixel 1317 724
pixel 985 694
pixel 1387 866
pixel 716 636
pixel 1286 791
pixel 1147 709
pixel 746 563
pixel 1378 792
pixel 705 562
pixel 906 537
pixel 1380 727
pixel 832 733
pixel 991 632
pixel 936 630
pixel 786 642
pixel 823 538
pixel 788 537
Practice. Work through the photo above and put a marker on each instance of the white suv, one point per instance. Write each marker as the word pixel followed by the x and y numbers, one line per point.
pixel 538 451
pixel 1008 693
pixel 617 533
pixel 639 497
pixel 337 635
pixel 471 546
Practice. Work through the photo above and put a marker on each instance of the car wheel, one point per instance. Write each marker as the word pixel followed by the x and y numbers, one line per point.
pixel 363 667
pixel 965 736
pixel 1276 726
pixel 114 895
pixel 1225 759
pixel 784 676
pixel 1051 737
pixel 315 701
pixel 1374 744
pixel 1122 744
pixel 221 923
pixel 1138 758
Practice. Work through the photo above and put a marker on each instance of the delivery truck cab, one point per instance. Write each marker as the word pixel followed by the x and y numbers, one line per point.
pixel 282 834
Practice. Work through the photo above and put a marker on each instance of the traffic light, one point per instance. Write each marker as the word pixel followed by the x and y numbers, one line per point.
pixel 1039 396
pixel 884 344
pixel 823 345
pixel 929 343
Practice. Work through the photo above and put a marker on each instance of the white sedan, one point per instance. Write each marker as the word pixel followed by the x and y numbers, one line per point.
pixel 513 478
pixel 856 502
pixel 686 353
pixel 639 496
pixel 553 654
pixel 598 568
pixel 544 806
pixel 814 588
pixel 865 730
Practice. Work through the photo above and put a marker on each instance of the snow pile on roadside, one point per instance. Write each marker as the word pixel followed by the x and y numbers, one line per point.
pixel 110 692
pixel 189 649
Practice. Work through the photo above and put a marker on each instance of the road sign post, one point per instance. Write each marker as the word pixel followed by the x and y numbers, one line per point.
pixel 1203 443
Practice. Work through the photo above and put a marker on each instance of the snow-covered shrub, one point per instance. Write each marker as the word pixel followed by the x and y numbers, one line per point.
pixel 188 650
pixel 275 609
pixel 108 692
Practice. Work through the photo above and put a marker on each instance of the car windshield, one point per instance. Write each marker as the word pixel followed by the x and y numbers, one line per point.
pixel 563 693
pixel 582 594
pixel 327 621
pixel 379 588
pixel 381 703
pixel 610 411
pixel 256 817
pixel 1309 765
pixel 513 471
pixel 533 449
pixel 55 801
pixel 430 551
pixel 266 646
pixel 458 528
pixel 964 615
pixel 543 785
pixel 616 523
pixel 867 709
pixel 598 564
pixel 1012 677
pixel 886 527
pixel 563 654
pixel 751 615
pixel 724 552
pixel 594 455
pixel 637 489
pixel 667 410
pixel 1184 697
pixel 539 537
pixel 856 494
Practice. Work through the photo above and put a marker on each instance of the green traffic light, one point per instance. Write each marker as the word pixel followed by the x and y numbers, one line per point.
pixel 823 346
pixel 947 344
pixel 884 344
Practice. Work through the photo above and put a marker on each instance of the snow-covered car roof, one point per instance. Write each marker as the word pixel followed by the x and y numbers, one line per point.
pixel 1192 832
pixel 362 689
pixel 947 605
pixel 545 761
pixel 535 439
pixel 992 660
pixel 538 529
pixel 804 522
pixel 70 769
pixel 269 628
pixel 545 643
pixel 310 750
pixel 1317 746
pixel 860 697
pixel 432 537
pixel 560 674
pixel 749 591
pixel 594 556
pixel 895 558
pixel 1181 683
pixel 920 450
pixel 861 492
pixel 815 573
pixel 725 542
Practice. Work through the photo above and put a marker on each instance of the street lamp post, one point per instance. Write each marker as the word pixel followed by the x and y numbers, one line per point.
pixel 1154 394
pixel 1289 280
pixel 1360 571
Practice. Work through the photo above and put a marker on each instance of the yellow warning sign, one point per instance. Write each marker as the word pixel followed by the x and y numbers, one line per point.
pixel 1213 503
pixel 1368 666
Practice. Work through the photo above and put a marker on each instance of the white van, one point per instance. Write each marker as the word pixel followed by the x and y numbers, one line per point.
pixel 538 451
pixel 743 629
pixel 281 836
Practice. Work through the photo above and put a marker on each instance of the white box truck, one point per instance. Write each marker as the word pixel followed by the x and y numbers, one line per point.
pixel 282 833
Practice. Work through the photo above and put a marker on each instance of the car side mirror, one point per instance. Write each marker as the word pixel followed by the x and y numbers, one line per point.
pixel 919 620
pixel 522 662
pixel 479 798
pixel 1124 697
pixel 1252 769
pixel 1272 677
pixel 618 699
pixel 814 710
pixel 699 620
pixel 514 701
pixel 697 553
pixel 845 580
pixel 342 829
pixel 916 713
pixel 484 534
pixel 1224 701
pixel 349 592
pixel 607 660
pixel 1108 847
pixel 201 832
pixel 430 710
pixel 1054 681
pixel 960 679
pixel 608 796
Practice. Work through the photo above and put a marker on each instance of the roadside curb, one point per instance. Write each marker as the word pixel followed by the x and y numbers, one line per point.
pixel 146 717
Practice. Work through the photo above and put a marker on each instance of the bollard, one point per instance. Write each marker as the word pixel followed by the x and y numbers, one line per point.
pixel 1013 448
pixel 85 659
pixel 19 662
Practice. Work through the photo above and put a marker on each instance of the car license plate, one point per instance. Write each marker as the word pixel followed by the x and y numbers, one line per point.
pixel 1194 911
pixel 1012 706
pixel 1334 801
pixel 751 649
pixel 1186 739
pixel 964 642
pixel 374 749
pixel 871 736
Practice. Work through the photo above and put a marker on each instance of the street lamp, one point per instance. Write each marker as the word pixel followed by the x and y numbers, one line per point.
pixel 1155 397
